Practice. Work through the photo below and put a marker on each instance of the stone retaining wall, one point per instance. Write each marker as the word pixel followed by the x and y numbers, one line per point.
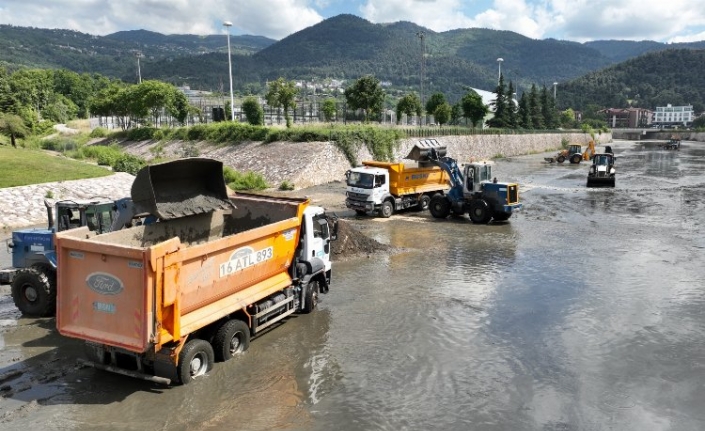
pixel 307 164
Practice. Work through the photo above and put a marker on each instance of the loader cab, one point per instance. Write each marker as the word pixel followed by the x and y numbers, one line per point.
pixel 574 149
pixel 70 214
pixel 475 175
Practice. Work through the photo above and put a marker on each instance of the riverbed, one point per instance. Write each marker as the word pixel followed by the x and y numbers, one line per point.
pixel 586 311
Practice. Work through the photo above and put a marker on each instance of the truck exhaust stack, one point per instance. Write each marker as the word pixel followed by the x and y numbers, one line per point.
pixel 181 188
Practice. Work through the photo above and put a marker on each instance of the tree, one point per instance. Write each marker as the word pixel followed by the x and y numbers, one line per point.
pixel 699 122
pixel 501 116
pixel 548 109
pixel 443 113
pixel 366 94
pixel 329 108
pixel 11 125
pixel 524 112
pixel 567 119
pixel 253 111
pixel 409 105
pixel 473 108
pixel 535 108
pixel 456 113
pixel 282 94
pixel 436 100
pixel 512 117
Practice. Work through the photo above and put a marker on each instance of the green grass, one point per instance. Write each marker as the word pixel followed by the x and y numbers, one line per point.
pixel 21 167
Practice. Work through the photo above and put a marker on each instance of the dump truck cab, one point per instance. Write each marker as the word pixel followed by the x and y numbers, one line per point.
pixel 367 188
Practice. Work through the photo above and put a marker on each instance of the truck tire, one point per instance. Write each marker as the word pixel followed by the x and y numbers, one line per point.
pixel 424 202
pixel 387 209
pixel 34 291
pixel 195 360
pixel 480 211
pixel 232 338
pixel 560 159
pixel 576 159
pixel 311 299
pixel 439 206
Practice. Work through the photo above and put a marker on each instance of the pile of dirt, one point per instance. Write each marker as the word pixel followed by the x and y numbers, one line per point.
pixel 351 242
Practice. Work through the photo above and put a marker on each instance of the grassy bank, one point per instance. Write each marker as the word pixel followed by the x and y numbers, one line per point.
pixel 21 167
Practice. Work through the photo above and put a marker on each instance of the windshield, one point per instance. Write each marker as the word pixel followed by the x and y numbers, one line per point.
pixel 603 160
pixel 362 180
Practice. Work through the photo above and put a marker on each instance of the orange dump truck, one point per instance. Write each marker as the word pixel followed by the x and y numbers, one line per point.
pixel 384 187
pixel 163 301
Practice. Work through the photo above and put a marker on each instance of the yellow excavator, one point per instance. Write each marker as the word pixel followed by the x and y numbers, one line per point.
pixel 574 154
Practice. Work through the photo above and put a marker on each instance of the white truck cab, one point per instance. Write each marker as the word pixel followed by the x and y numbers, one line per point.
pixel 367 188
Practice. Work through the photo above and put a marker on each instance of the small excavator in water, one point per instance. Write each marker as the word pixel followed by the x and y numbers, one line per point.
pixel 574 154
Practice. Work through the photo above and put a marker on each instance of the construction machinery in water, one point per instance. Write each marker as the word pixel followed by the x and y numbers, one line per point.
pixel 163 301
pixel 574 154
pixel 602 171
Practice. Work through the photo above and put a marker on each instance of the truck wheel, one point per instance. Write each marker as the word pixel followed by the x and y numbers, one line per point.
pixel 480 211
pixel 195 360
pixel 576 158
pixel 439 206
pixel 424 202
pixel 231 338
pixel 311 300
pixel 34 292
pixel 560 159
pixel 387 209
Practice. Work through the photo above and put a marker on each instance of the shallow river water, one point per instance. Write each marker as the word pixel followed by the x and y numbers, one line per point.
pixel 586 311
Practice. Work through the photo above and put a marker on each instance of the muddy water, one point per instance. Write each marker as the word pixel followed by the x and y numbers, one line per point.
pixel 585 312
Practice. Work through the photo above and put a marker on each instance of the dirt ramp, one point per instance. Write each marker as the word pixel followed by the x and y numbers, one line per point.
pixel 351 243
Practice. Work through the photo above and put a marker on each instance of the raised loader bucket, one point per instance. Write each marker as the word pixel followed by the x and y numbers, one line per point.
pixel 181 188
pixel 423 150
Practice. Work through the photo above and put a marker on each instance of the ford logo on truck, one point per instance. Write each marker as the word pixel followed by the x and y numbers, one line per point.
pixel 104 284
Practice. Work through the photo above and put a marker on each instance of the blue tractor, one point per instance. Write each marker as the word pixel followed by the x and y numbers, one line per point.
pixel 33 272
pixel 473 191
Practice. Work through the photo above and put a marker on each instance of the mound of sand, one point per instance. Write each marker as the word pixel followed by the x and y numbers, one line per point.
pixel 351 242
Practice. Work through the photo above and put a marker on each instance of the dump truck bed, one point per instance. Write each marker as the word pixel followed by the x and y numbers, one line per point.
pixel 151 284
pixel 407 179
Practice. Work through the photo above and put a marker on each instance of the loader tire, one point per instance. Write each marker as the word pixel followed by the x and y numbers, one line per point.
pixel 501 216
pixel 560 159
pixel 34 291
pixel 480 211
pixel 195 360
pixel 576 159
pixel 439 206
pixel 231 339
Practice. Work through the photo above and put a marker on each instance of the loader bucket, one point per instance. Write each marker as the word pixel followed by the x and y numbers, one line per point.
pixel 181 188
pixel 425 149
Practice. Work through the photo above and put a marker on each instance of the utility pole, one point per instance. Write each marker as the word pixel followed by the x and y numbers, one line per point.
pixel 421 35
pixel 139 72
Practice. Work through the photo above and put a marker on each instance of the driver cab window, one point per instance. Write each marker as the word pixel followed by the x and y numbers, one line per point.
pixel 379 180
pixel 320 228
pixel 69 218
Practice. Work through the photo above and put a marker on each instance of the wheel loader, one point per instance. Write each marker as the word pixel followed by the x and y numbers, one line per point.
pixel 574 154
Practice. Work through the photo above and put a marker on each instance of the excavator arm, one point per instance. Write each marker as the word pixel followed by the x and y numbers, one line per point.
pixel 589 152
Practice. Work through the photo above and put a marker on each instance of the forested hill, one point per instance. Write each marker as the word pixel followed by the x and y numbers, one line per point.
pixel 672 76
pixel 348 47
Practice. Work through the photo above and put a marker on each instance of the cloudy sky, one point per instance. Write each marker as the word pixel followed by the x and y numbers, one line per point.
pixel 576 20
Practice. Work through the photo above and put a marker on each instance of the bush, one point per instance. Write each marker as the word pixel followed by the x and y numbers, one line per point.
pixel 128 163
pixel 98 132
pixel 286 185
pixel 248 181
pixel 103 155
pixel 141 133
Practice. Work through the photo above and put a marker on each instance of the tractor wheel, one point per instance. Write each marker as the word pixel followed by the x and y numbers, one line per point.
pixel 424 202
pixel 195 360
pixel 232 338
pixel 576 159
pixel 439 206
pixel 387 209
pixel 560 159
pixel 34 291
pixel 480 211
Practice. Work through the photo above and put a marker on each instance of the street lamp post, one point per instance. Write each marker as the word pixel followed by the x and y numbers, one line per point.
pixel 421 36
pixel 499 74
pixel 139 73
pixel 555 84
pixel 229 24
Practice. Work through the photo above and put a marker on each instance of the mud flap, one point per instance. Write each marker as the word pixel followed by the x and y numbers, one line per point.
pixel 181 188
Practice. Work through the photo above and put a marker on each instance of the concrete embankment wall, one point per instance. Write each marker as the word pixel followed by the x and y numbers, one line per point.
pixel 308 164
pixel 660 135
